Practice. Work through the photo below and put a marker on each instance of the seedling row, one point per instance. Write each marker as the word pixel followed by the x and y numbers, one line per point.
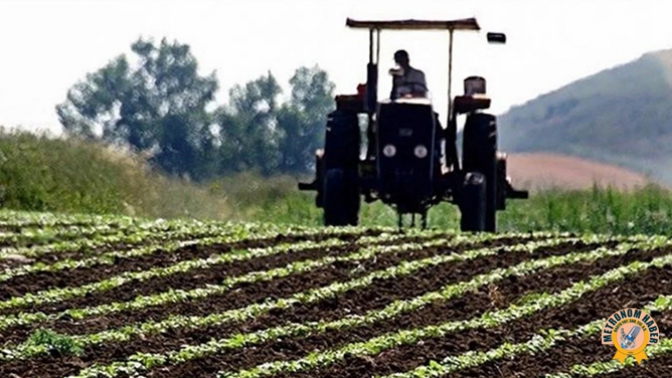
pixel 129 298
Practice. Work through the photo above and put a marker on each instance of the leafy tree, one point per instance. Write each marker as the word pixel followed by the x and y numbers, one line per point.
pixel 158 107
pixel 248 127
pixel 258 133
pixel 302 119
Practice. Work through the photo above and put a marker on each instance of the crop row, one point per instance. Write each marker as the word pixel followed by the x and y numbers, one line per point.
pixel 82 248
pixel 111 258
pixel 385 342
pixel 175 296
pixel 94 236
pixel 201 235
pixel 544 341
pixel 141 361
pixel 18 219
pixel 254 310
pixel 99 236
pixel 46 235
pixel 182 235
pixel 61 294
pixel 21 219
pixel 538 343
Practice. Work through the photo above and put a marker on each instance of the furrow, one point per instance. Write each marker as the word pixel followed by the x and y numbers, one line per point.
pixel 167 299
pixel 173 230
pixel 56 369
pixel 113 338
pixel 536 351
pixel 404 269
pixel 353 353
pixel 57 295
pixel 454 302
pixel 153 306
pixel 80 271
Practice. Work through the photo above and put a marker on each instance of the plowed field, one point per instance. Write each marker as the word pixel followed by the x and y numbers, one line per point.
pixel 84 296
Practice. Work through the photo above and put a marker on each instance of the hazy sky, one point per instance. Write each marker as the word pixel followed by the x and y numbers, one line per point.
pixel 49 45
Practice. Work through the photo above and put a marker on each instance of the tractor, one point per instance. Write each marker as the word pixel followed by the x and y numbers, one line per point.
pixel 411 161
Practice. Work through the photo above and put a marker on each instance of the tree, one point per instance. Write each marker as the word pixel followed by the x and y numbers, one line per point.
pixel 302 120
pixel 258 133
pixel 158 107
pixel 248 127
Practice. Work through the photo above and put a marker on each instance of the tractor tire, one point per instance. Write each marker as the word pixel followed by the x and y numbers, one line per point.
pixel 340 196
pixel 479 154
pixel 342 140
pixel 472 203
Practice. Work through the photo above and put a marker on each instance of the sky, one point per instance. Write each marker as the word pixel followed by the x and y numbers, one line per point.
pixel 48 45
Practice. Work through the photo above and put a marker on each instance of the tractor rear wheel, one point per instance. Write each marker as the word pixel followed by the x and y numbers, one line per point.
pixel 341 199
pixel 472 202
pixel 479 154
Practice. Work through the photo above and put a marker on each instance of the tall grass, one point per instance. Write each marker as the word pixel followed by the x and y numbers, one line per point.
pixel 600 209
pixel 43 174
pixel 646 210
pixel 48 174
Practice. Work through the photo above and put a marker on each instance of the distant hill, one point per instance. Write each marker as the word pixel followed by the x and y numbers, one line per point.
pixel 620 116
pixel 535 171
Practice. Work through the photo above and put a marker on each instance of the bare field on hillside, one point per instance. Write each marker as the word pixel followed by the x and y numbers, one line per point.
pixel 539 171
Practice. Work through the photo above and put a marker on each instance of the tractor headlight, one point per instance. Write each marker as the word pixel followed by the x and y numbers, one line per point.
pixel 389 150
pixel 420 151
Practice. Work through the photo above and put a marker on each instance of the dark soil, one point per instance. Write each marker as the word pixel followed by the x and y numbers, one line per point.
pixel 191 279
pixel 594 305
pixel 355 302
pixel 31 283
pixel 491 298
pixel 660 366
pixel 564 355
pixel 244 295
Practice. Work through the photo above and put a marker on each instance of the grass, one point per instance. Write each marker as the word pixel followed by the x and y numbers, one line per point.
pixel 43 174
pixel 646 210
pixel 39 173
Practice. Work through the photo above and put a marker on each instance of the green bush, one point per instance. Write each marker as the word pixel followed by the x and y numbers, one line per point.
pixel 66 175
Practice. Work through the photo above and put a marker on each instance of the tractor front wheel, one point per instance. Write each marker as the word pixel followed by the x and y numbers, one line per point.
pixel 340 197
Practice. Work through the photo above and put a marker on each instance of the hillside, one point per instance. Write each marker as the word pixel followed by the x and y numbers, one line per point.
pixel 538 171
pixel 620 116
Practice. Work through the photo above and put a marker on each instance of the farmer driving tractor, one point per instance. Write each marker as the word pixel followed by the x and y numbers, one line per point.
pixel 409 82
pixel 406 80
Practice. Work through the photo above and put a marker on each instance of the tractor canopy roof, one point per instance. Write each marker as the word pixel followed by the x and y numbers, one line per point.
pixel 411 24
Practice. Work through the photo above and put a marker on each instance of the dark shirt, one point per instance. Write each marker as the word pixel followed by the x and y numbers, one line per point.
pixel 411 82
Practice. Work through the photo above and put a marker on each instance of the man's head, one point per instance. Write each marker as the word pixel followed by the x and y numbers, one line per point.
pixel 401 58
